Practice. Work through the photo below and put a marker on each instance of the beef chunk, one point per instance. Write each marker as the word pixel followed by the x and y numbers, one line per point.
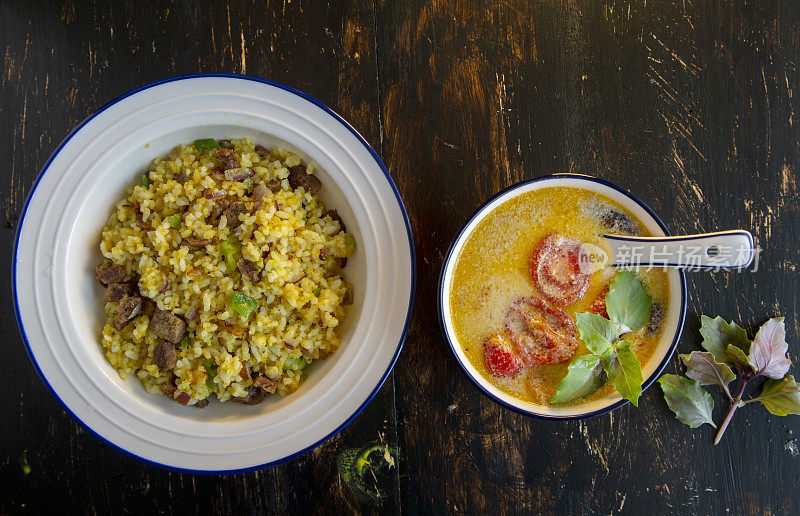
pixel 239 173
pixel 257 392
pixel 232 214
pixel 110 273
pixel 218 209
pixel 298 178
pixel 202 403
pixel 262 151
pixel 197 242
pixel 148 307
pixel 116 291
pixel 248 270
pixel 259 192
pixel 167 326
pixel 164 356
pixel 254 396
pixel 225 144
pixel 218 174
pixel 129 307
pixel 265 383
pixel 181 177
pixel 227 157
pixel 274 185
pixel 244 373
pixel 334 215
pixel 168 388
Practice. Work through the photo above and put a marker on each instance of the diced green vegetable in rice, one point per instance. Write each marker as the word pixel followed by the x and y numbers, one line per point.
pixel 174 220
pixel 243 304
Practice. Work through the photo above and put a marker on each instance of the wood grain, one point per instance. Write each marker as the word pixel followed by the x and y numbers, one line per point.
pixel 691 105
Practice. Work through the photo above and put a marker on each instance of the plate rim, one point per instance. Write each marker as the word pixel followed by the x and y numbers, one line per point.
pixel 329 112
pixel 449 256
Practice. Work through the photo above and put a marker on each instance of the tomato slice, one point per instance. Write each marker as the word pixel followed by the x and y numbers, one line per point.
pixel 598 306
pixel 499 356
pixel 541 334
pixel 556 270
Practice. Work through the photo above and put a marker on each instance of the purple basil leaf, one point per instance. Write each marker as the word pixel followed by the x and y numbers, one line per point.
pixel 739 360
pixel 701 366
pixel 768 350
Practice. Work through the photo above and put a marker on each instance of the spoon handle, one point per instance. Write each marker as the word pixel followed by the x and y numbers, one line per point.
pixel 722 250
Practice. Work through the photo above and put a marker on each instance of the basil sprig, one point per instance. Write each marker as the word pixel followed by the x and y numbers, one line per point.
pixel 610 358
pixel 728 349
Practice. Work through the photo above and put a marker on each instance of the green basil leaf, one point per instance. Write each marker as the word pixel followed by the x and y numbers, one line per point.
pixel 625 372
pixel 702 367
pixel 627 303
pixel 596 331
pixel 719 334
pixel 769 348
pixel 585 375
pixel 691 404
pixel 781 397
pixel 738 359
pixel 205 144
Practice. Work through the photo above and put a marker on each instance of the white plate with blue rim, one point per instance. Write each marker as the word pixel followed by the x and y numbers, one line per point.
pixel 60 309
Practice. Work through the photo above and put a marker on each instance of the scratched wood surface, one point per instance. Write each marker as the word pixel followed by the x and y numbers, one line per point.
pixel 691 105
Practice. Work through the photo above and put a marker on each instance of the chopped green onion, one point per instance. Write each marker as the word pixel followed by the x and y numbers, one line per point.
pixel 174 220
pixel 206 144
pixel 243 304
pixel 349 244
pixel 145 181
pixel 231 249
pixel 186 342
pixel 211 372
pixel 303 377
pixel 296 364
pixel 248 184
pixel 317 291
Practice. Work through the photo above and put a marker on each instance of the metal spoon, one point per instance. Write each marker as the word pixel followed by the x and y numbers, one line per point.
pixel 733 249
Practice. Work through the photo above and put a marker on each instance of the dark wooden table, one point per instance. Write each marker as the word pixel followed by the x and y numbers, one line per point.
pixel 692 105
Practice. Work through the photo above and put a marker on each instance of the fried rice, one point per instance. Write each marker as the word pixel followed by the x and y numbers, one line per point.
pixel 252 300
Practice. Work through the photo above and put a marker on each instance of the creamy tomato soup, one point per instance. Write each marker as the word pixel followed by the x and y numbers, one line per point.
pixel 517 285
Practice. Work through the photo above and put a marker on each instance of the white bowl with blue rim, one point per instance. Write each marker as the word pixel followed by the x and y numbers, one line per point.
pixel 673 320
pixel 59 304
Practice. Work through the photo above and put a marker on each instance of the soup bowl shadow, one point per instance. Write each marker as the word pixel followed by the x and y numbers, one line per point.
pixel 673 322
